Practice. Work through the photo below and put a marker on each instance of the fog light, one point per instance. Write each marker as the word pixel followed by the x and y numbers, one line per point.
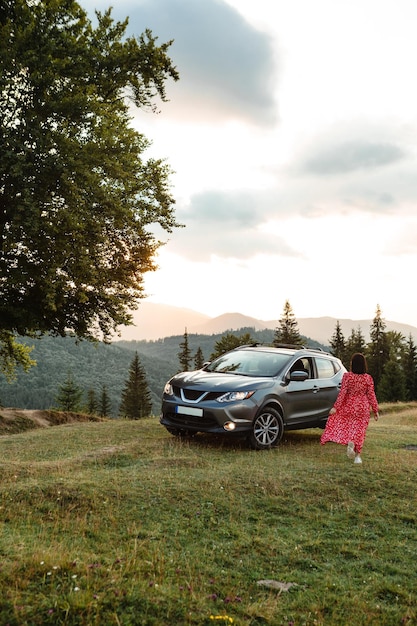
pixel 229 426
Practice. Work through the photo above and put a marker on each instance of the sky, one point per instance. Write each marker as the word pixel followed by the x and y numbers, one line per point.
pixel 291 135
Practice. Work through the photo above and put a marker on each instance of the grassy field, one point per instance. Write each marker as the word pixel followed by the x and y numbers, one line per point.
pixel 119 523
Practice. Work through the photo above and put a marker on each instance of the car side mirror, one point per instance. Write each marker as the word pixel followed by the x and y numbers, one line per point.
pixel 298 376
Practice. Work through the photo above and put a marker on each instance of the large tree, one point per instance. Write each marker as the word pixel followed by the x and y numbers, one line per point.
pixel 287 332
pixel 184 355
pixel 410 368
pixel 78 199
pixel 136 397
pixel 338 343
pixel 378 349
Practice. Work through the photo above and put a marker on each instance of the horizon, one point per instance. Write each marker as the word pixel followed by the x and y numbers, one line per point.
pixel 157 321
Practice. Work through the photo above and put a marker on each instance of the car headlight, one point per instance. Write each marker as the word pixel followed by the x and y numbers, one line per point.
pixel 234 396
pixel 168 390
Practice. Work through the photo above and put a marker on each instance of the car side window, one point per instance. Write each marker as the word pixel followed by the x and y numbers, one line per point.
pixel 325 368
pixel 302 365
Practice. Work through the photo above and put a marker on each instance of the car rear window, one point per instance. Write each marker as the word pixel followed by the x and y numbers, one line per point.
pixel 249 363
pixel 325 368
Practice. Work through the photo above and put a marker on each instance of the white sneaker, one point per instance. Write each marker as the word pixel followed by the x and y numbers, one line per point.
pixel 350 449
pixel 357 459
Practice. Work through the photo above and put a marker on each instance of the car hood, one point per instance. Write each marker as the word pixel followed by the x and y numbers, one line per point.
pixel 214 381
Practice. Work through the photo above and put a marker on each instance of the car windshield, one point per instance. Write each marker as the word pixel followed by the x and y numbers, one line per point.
pixel 249 363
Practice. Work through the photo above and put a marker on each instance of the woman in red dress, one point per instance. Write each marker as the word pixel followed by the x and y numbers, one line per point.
pixel 349 417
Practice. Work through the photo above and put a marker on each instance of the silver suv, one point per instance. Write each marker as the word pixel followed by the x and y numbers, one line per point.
pixel 255 391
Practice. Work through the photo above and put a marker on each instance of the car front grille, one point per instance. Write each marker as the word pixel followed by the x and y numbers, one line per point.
pixel 195 395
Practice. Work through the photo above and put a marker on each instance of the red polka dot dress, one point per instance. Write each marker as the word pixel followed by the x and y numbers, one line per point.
pixel 354 402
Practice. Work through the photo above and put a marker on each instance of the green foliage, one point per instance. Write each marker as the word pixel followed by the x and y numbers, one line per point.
pixel 198 359
pixel 92 404
pixel 287 332
pixel 229 341
pixel 355 343
pixel 70 394
pixel 410 368
pixel 119 523
pixel 392 360
pixel 78 201
pixel 105 407
pixel 378 349
pixel 136 401
pixel 13 354
pixel 391 386
pixel 338 343
pixel 184 355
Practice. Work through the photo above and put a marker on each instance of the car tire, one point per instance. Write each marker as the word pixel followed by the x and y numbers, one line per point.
pixel 267 429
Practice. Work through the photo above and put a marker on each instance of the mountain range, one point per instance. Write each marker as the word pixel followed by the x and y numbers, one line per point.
pixel 153 321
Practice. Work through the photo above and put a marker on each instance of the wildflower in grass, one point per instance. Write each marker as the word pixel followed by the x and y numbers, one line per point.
pixel 225 618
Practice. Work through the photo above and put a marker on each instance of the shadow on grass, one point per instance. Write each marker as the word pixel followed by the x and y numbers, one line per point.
pixel 299 438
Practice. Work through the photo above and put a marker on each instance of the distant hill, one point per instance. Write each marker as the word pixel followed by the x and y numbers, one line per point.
pixel 156 321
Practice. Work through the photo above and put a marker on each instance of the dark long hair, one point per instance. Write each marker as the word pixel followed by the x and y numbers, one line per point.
pixel 358 364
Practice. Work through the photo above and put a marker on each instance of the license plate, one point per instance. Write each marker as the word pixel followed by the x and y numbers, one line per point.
pixel 189 410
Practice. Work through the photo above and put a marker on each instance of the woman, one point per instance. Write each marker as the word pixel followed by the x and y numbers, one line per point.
pixel 349 417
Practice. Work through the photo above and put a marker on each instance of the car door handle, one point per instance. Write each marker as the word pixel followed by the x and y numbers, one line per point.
pixel 316 389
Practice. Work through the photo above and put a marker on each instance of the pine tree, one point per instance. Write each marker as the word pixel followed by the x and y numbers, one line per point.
pixel 185 354
pixel 355 343
pixel 69 395
pixel 136 398
pixel 198 359
pixel 338 343
pixel 287 332
pixel 105 403
pixel 392 387
pixel 229 341
pixel 92 405
pixel 410 368
pixel 378 348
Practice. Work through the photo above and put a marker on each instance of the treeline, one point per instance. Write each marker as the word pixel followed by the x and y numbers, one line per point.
pixel 99 372
pixel 100 368
pixel 391 357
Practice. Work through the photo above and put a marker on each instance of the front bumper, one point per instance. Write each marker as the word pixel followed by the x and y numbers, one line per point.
pixel 208 417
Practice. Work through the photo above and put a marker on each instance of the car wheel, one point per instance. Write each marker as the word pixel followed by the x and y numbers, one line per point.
pixel 267 429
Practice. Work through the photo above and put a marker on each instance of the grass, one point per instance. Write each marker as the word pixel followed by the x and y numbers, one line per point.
pixel 118 522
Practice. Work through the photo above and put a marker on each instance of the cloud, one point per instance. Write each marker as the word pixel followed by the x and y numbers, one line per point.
pixel 347 157
pixel 227 225
pixel 227 67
